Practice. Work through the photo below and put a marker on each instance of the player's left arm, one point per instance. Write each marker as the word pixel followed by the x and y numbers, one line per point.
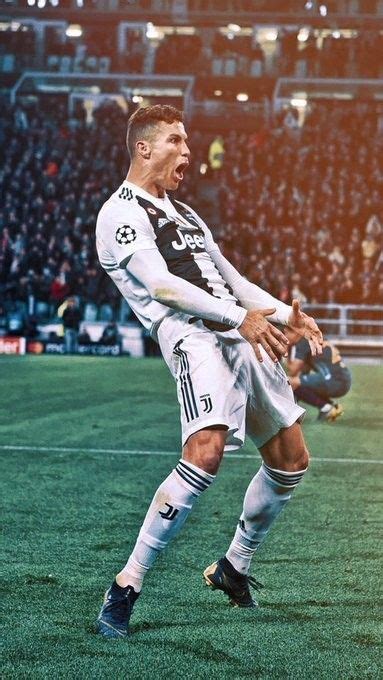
pixel 252 296
pixel 249 294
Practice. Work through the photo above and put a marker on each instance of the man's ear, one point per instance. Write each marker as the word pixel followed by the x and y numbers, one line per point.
pixel 143 148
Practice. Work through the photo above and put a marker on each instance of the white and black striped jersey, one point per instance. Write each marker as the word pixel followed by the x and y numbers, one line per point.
pixel 132 220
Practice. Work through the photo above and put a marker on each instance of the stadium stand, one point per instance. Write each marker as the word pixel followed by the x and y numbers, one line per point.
pixel 304 202
pixel 299 189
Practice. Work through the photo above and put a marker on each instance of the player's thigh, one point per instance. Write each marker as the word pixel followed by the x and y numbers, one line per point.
pixel 287 450
pixel 198 363
pixel 207 387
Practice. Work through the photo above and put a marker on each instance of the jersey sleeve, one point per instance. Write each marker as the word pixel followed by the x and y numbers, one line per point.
pixel 118 237
pixel 210 244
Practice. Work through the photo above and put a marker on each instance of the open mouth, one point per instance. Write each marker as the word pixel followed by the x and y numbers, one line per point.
pixel 180 169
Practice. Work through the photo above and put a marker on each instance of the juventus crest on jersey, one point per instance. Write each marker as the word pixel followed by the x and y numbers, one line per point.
pixel 132 220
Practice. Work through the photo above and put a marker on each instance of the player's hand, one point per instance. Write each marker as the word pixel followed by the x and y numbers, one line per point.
pixel 305 327
pixel 257 330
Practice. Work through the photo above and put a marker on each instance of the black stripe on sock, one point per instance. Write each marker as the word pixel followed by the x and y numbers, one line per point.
pixel 192 482
pixel 284 480
pixel 201 478
pixel 279 475
pixel 186 471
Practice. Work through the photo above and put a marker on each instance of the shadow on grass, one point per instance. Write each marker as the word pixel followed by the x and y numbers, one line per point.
pixel 316 560
pixel 366 640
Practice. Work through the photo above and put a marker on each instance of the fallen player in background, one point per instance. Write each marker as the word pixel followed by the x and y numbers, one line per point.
pixel 318 380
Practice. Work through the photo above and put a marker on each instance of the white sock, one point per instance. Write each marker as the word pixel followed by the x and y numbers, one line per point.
pixel 265 498
pixel 167 513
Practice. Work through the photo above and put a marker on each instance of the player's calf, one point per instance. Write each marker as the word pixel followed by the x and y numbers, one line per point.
pixel 265 498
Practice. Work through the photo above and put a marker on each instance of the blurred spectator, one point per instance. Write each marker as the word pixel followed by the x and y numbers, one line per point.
pixel 296 290
pixel 59 290
pixel 31 330
pixel 84 337
pixel 216 153
pixel 71 322
pixel 370 247
pixel 16 320
pixel 110 334
pixel 3 321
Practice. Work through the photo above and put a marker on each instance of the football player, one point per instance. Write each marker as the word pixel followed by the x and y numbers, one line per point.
pixel 318 380
pixel 216 333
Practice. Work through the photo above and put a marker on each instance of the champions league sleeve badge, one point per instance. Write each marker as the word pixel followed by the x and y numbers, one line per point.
pixel 125 235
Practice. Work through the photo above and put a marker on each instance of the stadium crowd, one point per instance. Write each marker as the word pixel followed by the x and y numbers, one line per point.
pixel 298 210
pixel 302 209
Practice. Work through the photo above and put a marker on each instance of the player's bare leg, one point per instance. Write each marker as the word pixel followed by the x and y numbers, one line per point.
pixel 286 451
pixel 166 515
pixel 205 448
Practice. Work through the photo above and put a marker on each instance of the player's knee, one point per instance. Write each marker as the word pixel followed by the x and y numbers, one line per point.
pixel 205 449
pixel 302 459
pixel 293 452
pixel 288 456
pixel 210 462
pixel 297 460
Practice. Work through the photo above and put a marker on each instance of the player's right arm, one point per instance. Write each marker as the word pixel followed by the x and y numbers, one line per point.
pixel 133 246
pixel 150 269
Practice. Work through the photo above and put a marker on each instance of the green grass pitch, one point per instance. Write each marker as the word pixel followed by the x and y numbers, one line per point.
pixel 72 513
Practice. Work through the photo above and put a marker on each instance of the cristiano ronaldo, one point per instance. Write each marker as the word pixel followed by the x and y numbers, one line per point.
pixel 217 335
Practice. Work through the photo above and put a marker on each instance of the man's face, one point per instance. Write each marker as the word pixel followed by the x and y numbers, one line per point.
pixel 169 155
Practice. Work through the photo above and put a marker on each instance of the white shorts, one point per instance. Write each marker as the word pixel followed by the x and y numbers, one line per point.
pixel 221 382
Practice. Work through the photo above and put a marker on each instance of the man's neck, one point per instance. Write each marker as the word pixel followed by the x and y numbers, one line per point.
pixel 145 182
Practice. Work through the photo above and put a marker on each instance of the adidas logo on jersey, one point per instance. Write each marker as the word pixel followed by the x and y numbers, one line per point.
pixel 162 222
pixel 126 194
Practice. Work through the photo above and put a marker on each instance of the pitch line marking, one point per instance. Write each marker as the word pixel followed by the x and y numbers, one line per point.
pixel 139 452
